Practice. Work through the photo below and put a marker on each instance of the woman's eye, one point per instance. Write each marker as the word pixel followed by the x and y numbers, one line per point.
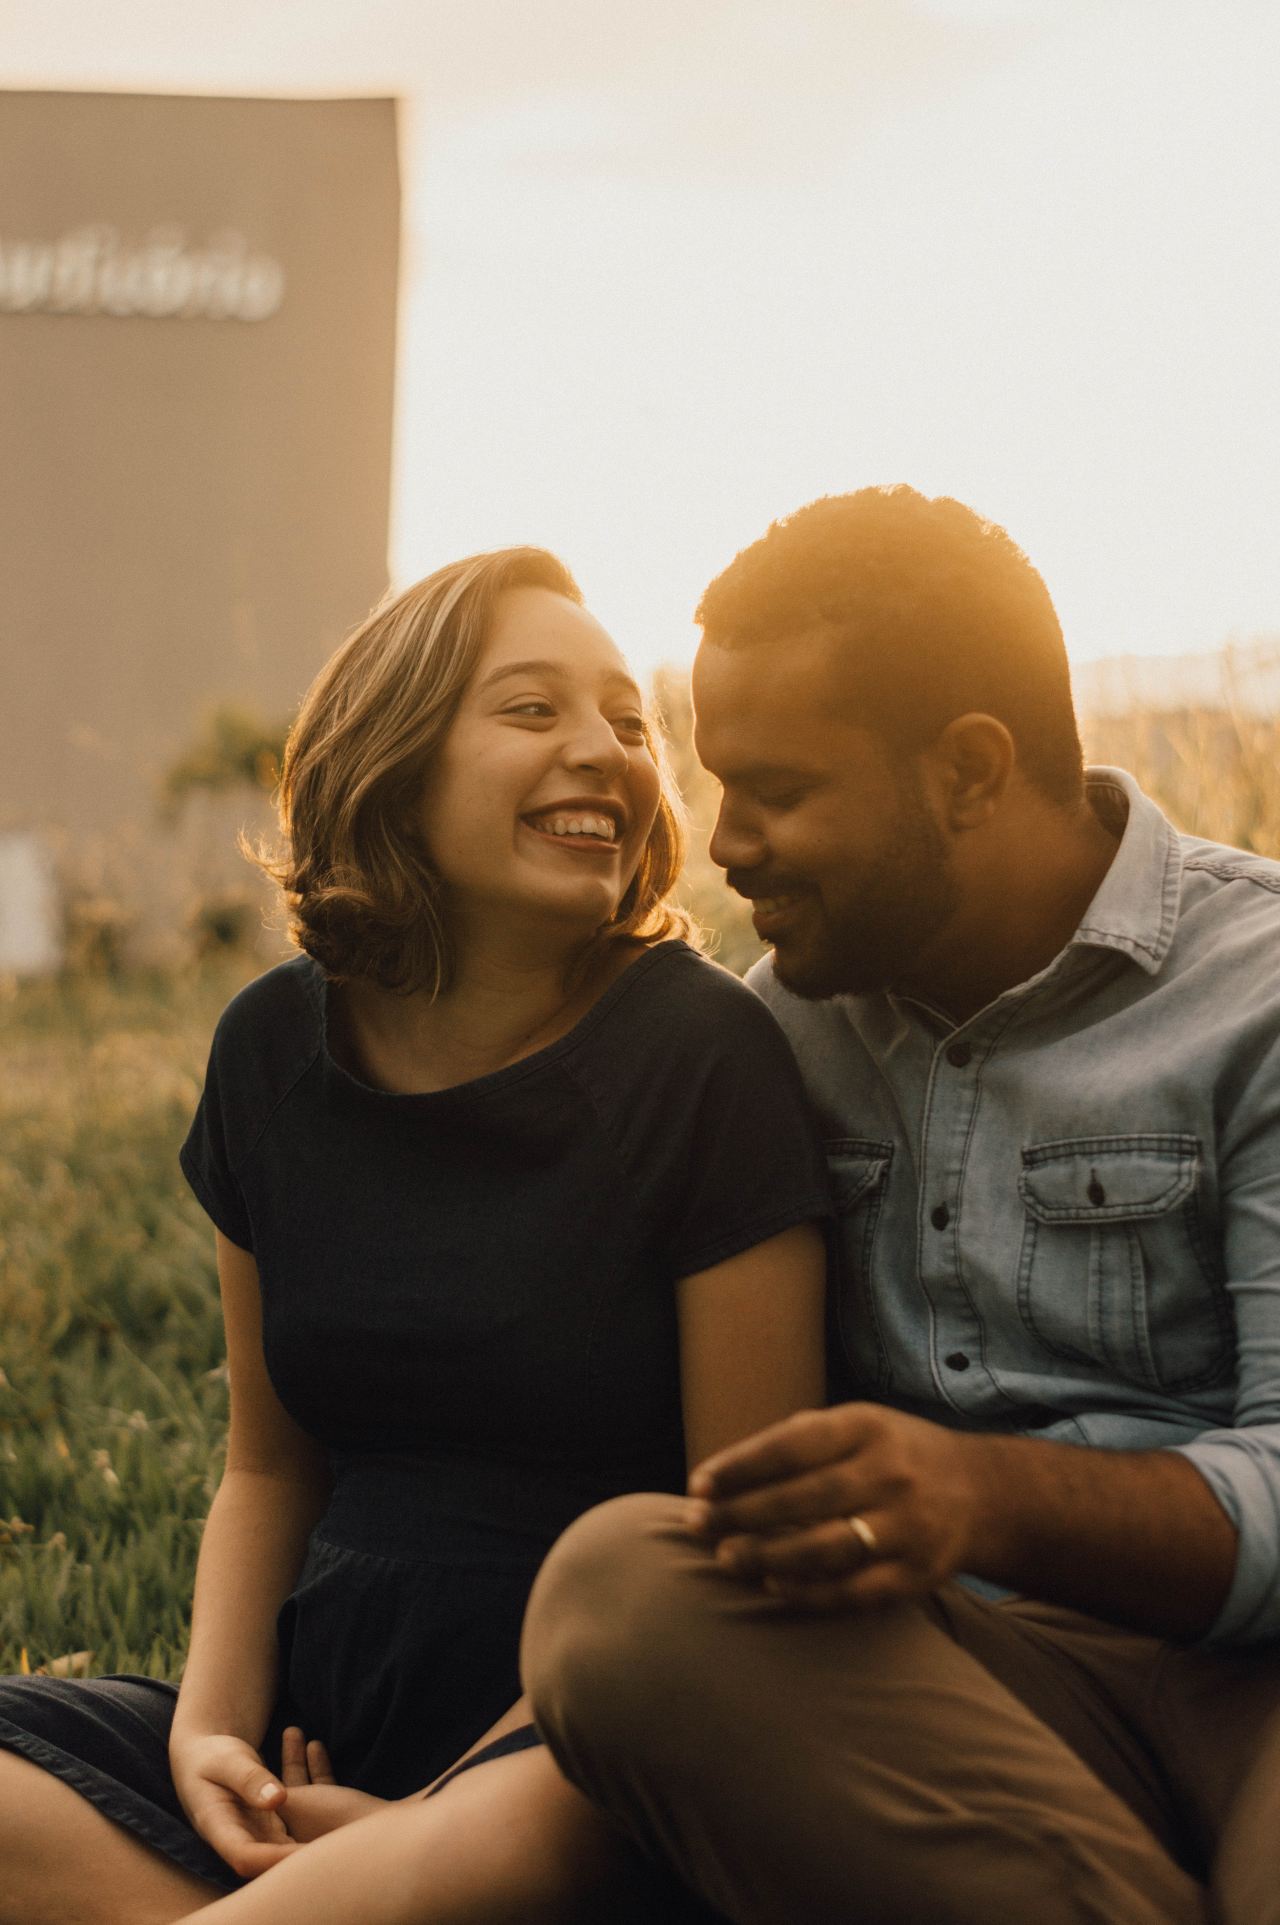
pixel 629 725
pixel 533 706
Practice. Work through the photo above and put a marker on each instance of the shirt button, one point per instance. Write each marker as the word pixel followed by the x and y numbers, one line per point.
pixel 957 1361
pixel 959 1055
pixel 940 1216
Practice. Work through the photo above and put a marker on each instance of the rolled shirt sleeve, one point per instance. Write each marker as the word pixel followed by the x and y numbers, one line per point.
pixel 1241 1465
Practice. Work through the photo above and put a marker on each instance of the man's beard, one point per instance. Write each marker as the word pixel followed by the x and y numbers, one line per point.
pixel 887 913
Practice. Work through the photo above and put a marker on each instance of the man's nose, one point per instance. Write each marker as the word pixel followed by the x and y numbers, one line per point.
pixel 736 842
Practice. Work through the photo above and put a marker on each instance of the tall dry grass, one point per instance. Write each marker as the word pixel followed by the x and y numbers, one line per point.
pixel 1215 773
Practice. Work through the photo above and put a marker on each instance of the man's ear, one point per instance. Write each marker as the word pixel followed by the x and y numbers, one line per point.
pixel 972 763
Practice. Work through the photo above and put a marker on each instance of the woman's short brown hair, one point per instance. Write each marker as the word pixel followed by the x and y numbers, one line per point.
pixel 362 896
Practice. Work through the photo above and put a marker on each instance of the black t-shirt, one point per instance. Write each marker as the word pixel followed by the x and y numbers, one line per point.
pixel 486 1272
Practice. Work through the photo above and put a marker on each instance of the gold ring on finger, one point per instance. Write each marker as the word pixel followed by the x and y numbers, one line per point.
pixel 864 1534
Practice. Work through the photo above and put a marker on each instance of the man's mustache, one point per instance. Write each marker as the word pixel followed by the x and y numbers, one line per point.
pixel 754 883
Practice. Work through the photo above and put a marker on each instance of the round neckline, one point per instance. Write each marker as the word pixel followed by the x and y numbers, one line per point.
pixel 496 1079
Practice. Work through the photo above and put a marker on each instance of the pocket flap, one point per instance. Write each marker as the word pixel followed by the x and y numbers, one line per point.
pixel 1103 1179
pixel 857 1169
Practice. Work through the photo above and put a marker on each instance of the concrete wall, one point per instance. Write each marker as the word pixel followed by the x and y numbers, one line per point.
pixel 197 343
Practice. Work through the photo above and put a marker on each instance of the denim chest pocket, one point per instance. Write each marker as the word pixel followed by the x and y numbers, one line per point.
pixel 858 1169
pixel 1116 1271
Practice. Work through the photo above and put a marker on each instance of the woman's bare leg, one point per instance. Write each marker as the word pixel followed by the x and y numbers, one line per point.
pixel 63 1863
pixel 507 1843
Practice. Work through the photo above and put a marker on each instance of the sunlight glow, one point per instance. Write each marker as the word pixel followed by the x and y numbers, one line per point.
pixel 674 272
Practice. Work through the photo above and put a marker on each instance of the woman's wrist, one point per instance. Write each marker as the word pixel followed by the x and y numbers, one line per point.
pixel 210 1719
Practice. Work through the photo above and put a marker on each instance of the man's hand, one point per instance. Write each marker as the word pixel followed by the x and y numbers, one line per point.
pixel 316 1802
pixel 778 1506
pixel 232 1800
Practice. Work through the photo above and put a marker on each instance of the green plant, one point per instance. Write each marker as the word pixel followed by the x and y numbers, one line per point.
pixel 233 749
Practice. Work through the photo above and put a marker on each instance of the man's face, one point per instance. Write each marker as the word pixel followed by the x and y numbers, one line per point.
pixel 832 840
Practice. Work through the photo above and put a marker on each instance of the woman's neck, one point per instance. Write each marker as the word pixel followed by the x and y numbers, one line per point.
pixel 498 1009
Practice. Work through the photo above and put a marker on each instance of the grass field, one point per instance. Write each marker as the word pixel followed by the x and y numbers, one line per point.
pixel 112 1392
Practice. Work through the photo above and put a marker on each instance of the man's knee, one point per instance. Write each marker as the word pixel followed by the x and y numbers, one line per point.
pixel 602 1622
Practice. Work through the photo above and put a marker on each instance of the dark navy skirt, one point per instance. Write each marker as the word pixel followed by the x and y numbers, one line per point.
pixel 398 1647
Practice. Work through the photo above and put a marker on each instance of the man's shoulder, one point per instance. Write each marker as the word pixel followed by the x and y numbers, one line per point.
pixel 1230 908
pixel 1224 864
pixel 815 1027
pixel 786 1005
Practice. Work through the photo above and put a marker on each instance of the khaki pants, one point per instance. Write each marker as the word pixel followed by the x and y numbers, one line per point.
pixel 957 1761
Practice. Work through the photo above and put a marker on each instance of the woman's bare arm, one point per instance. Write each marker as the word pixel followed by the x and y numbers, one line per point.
pixel 752 1340
pixel 271 1493
pixel 751 1352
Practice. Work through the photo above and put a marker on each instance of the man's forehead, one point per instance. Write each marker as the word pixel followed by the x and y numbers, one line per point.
pixel 795 678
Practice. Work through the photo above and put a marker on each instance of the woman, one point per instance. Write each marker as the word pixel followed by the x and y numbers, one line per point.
pixel 515 1203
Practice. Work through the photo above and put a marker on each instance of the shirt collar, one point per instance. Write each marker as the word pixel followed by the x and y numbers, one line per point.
pixel 1135 909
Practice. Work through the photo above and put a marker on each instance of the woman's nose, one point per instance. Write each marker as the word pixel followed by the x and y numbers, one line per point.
pixel 595 745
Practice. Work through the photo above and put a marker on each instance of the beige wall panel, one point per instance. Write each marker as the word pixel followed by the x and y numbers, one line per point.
pixel 192 510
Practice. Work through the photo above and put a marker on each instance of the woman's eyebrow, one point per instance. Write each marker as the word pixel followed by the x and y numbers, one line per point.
pixel 556 669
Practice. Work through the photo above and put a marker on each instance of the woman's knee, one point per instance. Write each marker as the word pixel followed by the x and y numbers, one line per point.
pixel 63 1859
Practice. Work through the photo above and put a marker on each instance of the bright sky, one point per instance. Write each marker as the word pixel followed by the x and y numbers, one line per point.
pixel 675 267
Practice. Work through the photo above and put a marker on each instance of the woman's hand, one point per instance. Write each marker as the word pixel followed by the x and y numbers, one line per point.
pixel 232 1800
pixel 315 1801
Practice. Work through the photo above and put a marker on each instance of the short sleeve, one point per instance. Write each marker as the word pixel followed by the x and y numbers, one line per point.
pixel 700 1091
pixel 754 1165
pixel 207 1157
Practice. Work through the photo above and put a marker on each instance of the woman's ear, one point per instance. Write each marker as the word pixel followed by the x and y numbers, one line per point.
pixel 972 762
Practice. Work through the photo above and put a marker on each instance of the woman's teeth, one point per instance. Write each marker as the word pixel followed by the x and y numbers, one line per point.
pixel 599 826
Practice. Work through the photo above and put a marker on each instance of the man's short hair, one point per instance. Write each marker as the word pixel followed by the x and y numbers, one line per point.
pixel 937 612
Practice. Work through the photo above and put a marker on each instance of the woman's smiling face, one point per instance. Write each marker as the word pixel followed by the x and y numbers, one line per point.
pixel 544 792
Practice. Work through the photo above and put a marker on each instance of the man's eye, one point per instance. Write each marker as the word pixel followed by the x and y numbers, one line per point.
pixel 779 798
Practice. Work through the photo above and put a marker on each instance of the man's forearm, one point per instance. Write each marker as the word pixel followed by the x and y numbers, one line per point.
pixel 1136 1537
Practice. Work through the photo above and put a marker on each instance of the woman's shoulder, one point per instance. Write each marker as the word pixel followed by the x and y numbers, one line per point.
pixel 274 1025
pixel 698 991
pixel 674 1006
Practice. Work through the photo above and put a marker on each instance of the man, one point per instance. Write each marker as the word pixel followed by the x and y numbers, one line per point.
pixel 992 1638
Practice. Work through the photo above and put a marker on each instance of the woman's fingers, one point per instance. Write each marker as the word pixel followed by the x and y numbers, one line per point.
pixel 293 1756
pixel 249 1841
pixel 303 1760
pixel 234 1802
pixel 235 1766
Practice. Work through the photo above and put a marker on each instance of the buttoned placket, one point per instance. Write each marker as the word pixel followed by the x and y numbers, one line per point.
pixel 949 1129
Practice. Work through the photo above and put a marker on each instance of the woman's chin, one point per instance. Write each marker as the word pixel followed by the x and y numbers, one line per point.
pixel 575 914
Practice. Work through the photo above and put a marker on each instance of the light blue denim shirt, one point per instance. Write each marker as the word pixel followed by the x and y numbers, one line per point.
pixel 1064 1216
